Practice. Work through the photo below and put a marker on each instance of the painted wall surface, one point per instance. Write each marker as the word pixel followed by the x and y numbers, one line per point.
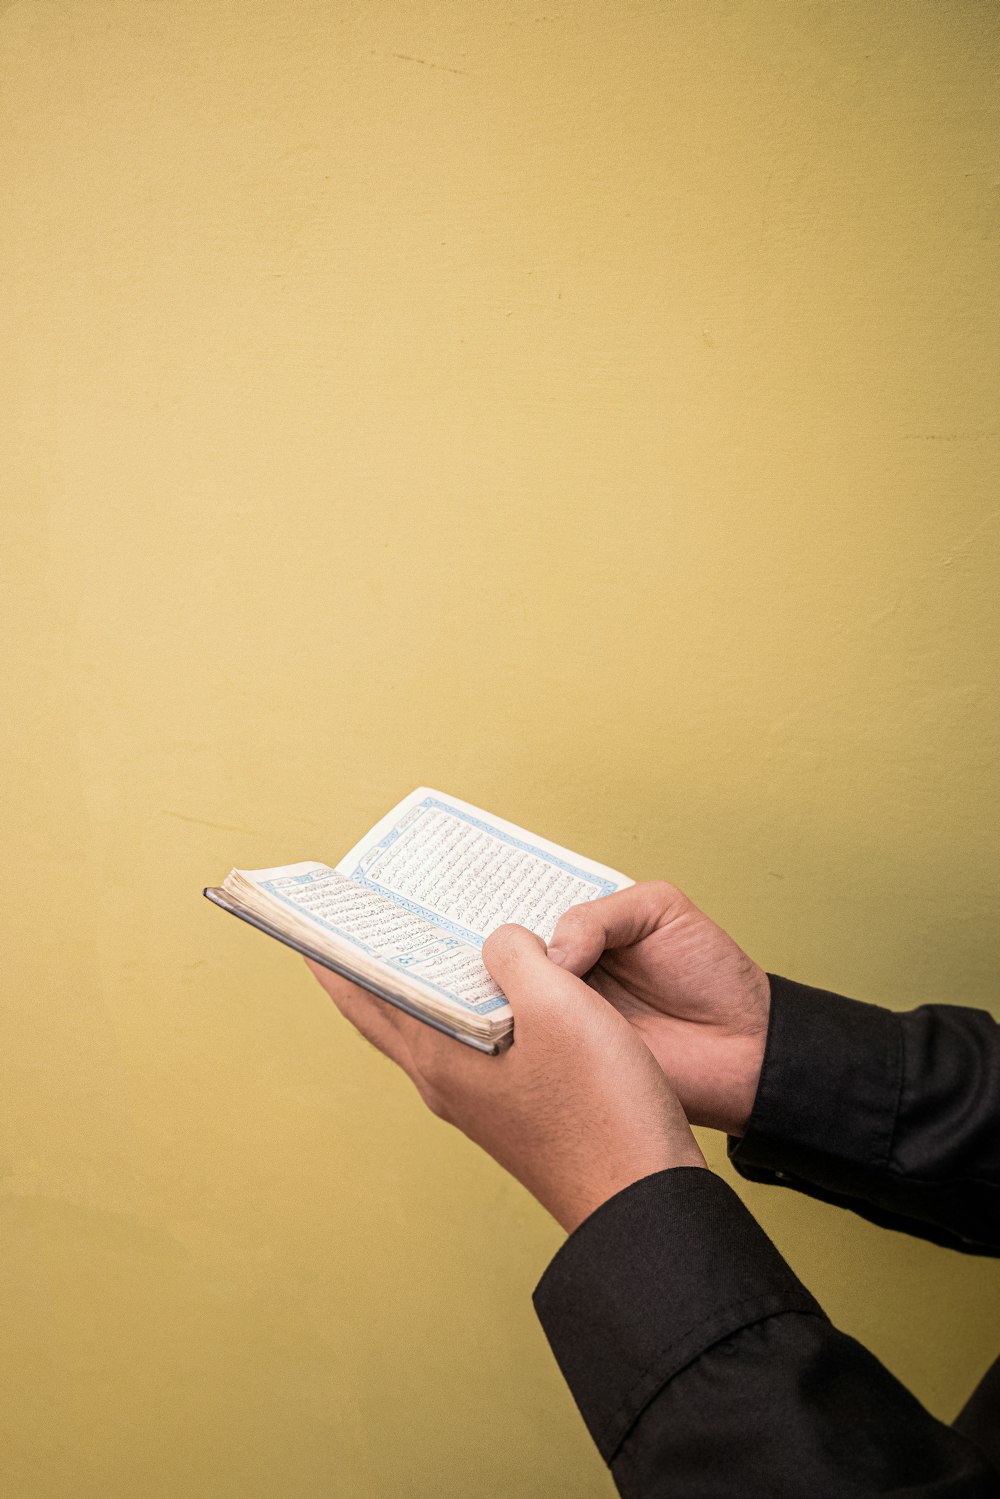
pixel 588 410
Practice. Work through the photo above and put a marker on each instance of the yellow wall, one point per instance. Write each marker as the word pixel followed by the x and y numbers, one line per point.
pixel 590 410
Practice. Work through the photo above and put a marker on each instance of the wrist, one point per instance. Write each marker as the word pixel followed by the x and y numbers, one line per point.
pixel 739 1079
pixel 571 1201
pixel 736 1084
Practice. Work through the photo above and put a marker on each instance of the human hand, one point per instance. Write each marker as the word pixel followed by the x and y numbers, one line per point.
pixel 697 1000
pixel 576 1110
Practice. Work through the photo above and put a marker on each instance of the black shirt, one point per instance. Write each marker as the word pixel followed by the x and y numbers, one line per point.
pixel 700 1363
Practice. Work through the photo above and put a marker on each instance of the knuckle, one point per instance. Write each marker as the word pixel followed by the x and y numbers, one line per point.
pixel 431 1065
pixel 664 892
pixel 433 1098
pixel 505 934
pixel 434 1084
pixel 501 942
pixel 578 919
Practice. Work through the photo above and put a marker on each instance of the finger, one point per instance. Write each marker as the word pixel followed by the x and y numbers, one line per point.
pixel 517 960
pixel 373 1017
pixel 584 932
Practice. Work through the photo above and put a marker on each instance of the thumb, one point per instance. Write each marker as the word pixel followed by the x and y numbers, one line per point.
pixel 517 960
pixel 584 932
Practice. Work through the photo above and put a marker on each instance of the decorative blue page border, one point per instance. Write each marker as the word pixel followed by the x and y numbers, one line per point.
pixel 601 885
pixel 485 1006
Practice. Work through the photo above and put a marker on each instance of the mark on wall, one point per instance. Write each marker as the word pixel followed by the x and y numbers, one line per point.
pixel 439 67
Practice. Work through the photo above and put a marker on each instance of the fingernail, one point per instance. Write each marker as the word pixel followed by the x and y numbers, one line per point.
pixel 556 955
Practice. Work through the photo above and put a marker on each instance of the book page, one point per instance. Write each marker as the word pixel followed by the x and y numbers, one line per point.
pixel 469 872
pixel 319 899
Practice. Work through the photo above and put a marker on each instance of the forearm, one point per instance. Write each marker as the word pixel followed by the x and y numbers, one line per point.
pixel 702 1365
pixel 789 1407
pixel 893 1115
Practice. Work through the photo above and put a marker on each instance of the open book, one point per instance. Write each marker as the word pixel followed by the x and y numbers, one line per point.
pixel 406 912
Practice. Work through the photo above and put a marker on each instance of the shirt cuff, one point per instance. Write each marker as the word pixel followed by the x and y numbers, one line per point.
pixel 828 1094
pixel 661 1272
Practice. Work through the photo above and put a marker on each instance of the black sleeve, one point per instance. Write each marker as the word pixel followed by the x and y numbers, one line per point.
pixel 702 1366
pixel 896 1116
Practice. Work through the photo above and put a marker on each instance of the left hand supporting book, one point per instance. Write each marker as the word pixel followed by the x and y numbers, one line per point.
pixel 406 912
